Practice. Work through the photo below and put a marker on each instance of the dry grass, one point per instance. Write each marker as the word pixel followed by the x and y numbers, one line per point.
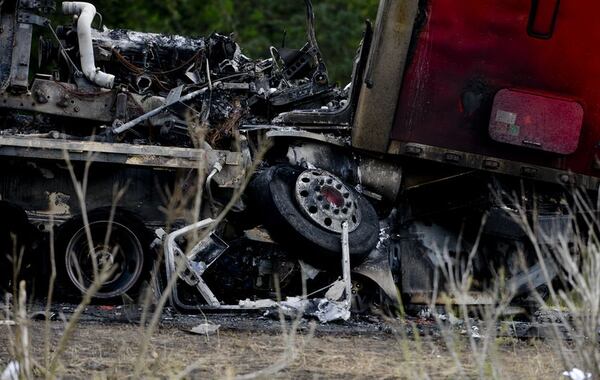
pixel 101 351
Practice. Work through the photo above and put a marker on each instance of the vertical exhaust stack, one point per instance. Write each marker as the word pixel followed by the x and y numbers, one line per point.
pixel 86 13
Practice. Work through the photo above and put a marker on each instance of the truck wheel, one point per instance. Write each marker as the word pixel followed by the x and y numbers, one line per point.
pixel 13 224
pixel 304 211
pixel 117 246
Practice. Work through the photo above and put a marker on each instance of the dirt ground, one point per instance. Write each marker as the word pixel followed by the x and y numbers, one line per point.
pixel 110 351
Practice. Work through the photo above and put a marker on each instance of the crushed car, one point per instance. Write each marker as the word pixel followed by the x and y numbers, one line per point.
pixel 230 182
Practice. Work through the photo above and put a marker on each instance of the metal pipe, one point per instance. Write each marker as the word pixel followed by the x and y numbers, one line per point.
pixel 170 250
pixel 346 263
pixel 186 98
pixel 216 169
pixel 127 126
pixel 86 13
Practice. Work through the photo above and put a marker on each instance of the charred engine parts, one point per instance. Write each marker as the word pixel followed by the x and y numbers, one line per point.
pixel 148 87
pixel 377 178
pixel 86 13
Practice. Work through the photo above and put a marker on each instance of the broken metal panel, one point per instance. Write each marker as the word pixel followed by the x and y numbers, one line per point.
pixel 377 268
pixel 492 164
pixel 21 54
pixel 381 177
pixel 7 21
pixel 44 189
pixel 341 117
pixel 384 74
pixel 62 99
pixel 132 155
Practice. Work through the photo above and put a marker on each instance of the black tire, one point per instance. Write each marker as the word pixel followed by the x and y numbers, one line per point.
pixel 271 193
pixel 14 222
pixel 127 232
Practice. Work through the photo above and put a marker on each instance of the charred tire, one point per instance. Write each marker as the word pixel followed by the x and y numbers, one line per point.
pixel 13 223
pixel 273 194
pixel 126 252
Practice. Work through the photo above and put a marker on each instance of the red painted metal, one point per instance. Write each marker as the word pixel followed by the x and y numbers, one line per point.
pixel 536 121
pixel 542 19
pixel 464 52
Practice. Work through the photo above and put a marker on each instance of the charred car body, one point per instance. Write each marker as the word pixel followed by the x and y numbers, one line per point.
pixel 143 135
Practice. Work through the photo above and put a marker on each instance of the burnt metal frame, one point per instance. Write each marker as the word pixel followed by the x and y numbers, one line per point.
pixel 493 165
pixel 342 118
pixel 61 99
pixel 134 155
pixel 172 253
pixel 384 74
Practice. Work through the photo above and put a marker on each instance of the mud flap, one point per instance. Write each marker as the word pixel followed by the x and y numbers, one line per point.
pixel 377 268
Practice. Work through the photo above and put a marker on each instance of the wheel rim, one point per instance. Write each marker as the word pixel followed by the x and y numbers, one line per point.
pixel 327 201
pixel 122 253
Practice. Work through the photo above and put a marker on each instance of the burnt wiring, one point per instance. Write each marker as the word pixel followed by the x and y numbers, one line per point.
pixel 76 93
pixel 138 70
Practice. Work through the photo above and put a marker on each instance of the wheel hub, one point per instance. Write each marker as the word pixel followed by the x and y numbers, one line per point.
pixel 327 201
pixel 123 255
pixel 104 257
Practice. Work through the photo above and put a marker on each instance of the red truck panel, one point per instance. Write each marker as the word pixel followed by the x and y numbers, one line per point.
pixel 465 52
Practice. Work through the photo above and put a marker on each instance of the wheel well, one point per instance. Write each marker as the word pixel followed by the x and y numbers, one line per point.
pixel 14 222
pixel 135 222
pixel 130 220
pixel 12 214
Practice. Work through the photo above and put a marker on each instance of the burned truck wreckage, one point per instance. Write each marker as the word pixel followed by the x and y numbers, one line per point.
pixel 229 182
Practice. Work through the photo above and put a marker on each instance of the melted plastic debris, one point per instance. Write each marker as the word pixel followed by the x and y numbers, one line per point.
pixel 322 309
pixel 11 372
pixel 205 329
pixel 577 374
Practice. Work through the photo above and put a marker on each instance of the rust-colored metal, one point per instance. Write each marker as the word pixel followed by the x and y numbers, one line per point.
pixel 384 73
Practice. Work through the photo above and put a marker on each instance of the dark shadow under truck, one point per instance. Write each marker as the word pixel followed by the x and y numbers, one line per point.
pixel 161 131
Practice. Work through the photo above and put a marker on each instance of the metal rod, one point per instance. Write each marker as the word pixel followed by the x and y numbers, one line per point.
pixel 127 126
pixel 170 245
pixel 346 262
